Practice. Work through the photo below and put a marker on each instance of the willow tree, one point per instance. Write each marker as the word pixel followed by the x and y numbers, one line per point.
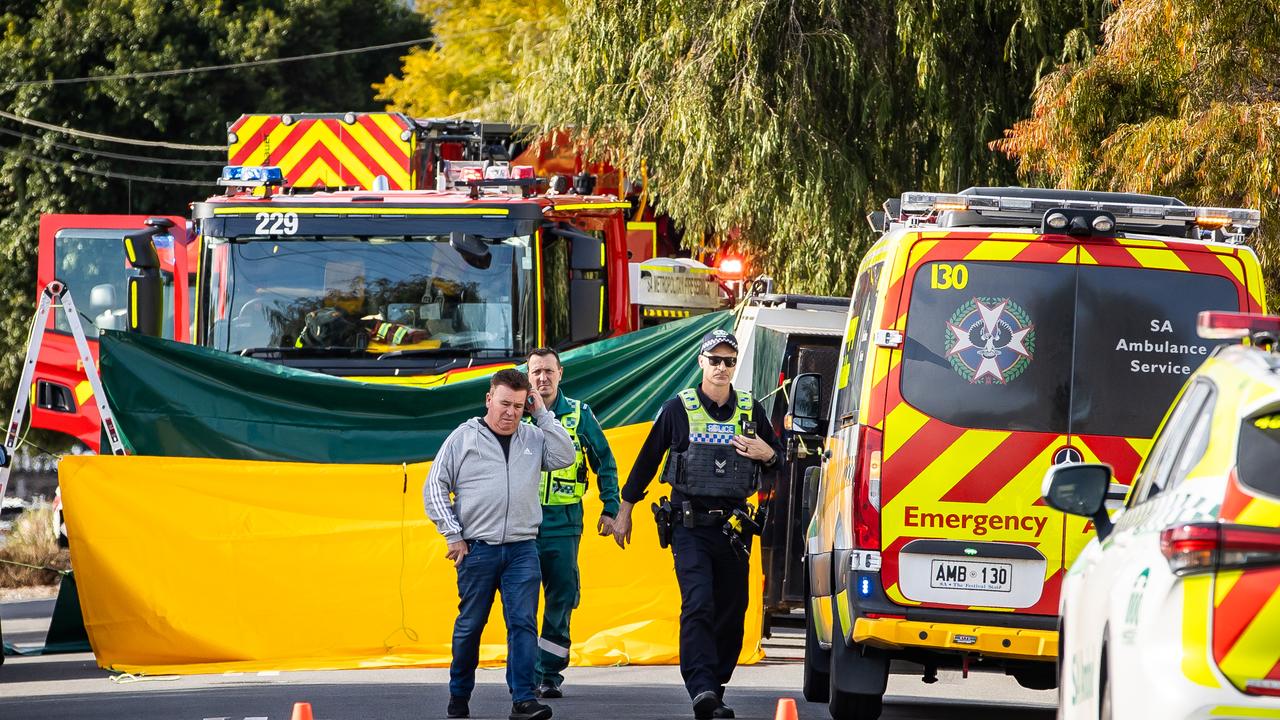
pixel 1182 98
pixel 784 123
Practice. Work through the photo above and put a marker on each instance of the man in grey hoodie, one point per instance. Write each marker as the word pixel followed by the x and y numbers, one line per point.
pixel 491 466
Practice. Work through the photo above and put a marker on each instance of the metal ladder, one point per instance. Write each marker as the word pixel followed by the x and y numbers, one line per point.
pixel 55 294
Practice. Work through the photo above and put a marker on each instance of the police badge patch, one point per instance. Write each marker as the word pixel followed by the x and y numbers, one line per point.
pixel 990 340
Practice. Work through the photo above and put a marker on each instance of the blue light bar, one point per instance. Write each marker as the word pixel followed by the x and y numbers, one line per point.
pixel 251 175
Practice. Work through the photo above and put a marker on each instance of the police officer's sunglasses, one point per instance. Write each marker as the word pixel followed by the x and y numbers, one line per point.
pixel 721 360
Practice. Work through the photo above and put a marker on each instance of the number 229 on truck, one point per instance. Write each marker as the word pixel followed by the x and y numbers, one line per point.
pixel 993 334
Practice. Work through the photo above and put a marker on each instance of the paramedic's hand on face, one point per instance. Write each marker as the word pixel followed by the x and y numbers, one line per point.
pixel 604 526
pixel 457 551
pixel 622 525
pixel 536 404
pixel 753 447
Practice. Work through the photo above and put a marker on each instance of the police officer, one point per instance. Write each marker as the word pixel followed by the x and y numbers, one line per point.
pixel 713 465
pixel 561 494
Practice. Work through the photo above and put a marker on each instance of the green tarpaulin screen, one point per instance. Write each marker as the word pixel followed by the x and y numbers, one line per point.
pixel 181 400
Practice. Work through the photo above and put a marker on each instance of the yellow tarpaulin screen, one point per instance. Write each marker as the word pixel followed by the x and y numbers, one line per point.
pixel 196 566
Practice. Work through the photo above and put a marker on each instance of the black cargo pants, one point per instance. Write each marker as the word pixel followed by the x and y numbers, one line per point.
pixel 713 605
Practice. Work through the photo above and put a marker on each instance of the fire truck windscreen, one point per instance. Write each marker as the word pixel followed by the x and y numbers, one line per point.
pixel 365 296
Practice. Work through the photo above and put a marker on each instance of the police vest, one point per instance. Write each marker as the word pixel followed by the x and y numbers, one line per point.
pixel 711 467
pixel 566 486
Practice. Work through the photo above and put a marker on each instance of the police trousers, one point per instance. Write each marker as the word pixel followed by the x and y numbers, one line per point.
pixel 713 605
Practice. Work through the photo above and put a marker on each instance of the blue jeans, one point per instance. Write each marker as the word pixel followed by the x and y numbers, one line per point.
pixel 513 570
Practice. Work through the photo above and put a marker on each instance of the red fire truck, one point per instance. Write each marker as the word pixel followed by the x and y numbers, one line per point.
pixel 372 246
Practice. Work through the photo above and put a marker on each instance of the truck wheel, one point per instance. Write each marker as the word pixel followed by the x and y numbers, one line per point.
pixel 859 676
pixel 817 662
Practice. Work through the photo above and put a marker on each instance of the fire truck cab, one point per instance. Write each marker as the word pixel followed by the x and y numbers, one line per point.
pixel 372 246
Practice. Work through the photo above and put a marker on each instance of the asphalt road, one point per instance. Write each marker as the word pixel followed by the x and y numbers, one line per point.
pixel 72 687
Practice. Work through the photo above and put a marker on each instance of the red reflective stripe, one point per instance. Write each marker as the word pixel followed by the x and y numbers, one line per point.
pixel 915 455
pixel 998 469
pixel 1045 252
pixel 391 145
pixel 251 145
pixel 1275 672
pixel 1236 500
pixel 1116 451
pixel 295 133
pixel 1241 605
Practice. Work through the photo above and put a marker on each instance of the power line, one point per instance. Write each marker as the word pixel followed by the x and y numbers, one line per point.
pixel 115 156
pixel 194 70
pixel 110 138
pixel 107 173
pixel 214 68
pixel 254 63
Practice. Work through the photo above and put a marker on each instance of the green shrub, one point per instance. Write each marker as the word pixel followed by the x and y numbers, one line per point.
pixel 31 542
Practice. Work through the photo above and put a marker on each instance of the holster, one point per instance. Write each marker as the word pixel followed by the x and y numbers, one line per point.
pixel 662 516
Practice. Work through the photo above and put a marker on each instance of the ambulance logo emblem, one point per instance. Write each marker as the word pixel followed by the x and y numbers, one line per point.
pixel 990 341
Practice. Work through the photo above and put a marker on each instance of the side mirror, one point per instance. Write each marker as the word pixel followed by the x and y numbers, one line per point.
pixel 102 297
pixel 473 249
pixel 145 291
pixel 139 246
pixel 587 311
pixel 812 479
pixel 806 403
pixel 586 250
pixel 146 302
pixel 1080 489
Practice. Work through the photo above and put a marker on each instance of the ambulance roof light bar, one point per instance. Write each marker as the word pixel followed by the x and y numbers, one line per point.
pixel 1240 220
pixel 1223 325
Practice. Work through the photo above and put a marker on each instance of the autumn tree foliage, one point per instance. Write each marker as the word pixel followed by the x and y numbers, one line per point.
pixel 1182 99
pixel 482 48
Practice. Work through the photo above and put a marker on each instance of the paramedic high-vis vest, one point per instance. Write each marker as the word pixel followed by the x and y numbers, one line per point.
pixel 711 467
pixel 567 485
pixel 390 333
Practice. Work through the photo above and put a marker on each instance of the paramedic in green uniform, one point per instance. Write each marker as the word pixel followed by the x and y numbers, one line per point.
pixel 561 531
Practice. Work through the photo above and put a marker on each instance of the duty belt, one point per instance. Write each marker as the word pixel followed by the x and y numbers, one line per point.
pixel 700 518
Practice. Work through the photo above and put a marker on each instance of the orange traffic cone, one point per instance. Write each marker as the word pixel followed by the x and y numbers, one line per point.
pixel 302 711
pixel 786 710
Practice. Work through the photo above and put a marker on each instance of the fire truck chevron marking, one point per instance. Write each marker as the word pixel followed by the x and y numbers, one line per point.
pixel 913 517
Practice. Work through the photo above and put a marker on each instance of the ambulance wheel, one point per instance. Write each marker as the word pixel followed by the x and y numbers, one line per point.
pixel 852 706
pixel 817 662
pixel 1037 679
pixel 859 676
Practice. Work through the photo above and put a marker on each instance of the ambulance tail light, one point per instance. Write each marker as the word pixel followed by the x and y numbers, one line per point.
pixel 866 491
pixel 1222 325
pixel 1205 547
